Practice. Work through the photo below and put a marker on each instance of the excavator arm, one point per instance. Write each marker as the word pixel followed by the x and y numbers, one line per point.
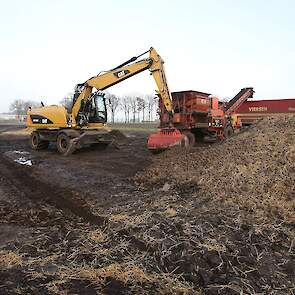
pixel 122 72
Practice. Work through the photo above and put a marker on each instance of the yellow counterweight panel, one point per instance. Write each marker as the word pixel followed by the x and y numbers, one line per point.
pixel 50 117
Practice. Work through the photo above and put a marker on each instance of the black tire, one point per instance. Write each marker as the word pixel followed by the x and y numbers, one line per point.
pixel 191 138
pixel 228 132
pixel 62 143
pixel 36 143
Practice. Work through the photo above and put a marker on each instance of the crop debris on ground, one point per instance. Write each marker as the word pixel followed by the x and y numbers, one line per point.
pixel 208 221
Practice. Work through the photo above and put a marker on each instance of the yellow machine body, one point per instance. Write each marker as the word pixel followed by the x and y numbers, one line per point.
pixel 49 117
pixel 54 117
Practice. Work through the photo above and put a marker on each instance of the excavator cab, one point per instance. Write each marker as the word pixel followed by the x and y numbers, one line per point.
pixel 93 110
pixel 99 111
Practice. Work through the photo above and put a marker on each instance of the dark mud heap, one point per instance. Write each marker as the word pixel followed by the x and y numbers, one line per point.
pixel 254 170
pixel 234 207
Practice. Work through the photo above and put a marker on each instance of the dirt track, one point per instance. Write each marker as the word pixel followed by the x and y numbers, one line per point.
pixel 67 186
pixel 80 225
pixel 96 173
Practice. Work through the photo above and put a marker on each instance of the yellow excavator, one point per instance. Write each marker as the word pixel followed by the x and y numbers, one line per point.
pixel 85 122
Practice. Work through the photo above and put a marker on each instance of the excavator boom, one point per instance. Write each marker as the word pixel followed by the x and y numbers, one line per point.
pixel 126 70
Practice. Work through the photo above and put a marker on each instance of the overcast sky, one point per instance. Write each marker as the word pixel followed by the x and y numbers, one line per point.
pixel 220 46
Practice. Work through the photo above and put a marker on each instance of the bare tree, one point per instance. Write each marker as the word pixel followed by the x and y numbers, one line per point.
pixel 141 105
pixel 67 101
pixel 16 107
pixel 151 102
pixel 126 107
pixel 137 106
pixel 133 104
pixel 20 107
pixel 113 103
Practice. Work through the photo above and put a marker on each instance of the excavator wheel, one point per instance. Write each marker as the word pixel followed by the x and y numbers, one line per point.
pixel 228 132
pixel 62 143
pixel 191 138
pixel 36 142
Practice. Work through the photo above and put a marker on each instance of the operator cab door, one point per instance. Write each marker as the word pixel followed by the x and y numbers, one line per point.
pixel 98 112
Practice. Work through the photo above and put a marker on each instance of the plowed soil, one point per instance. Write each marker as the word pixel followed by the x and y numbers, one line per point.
pixel 210 220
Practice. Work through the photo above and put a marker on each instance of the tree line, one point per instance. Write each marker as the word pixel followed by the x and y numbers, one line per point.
pixel 133 108
pixel 19 107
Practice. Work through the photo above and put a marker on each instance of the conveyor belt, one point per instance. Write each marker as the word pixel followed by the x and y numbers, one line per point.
pixel 235 102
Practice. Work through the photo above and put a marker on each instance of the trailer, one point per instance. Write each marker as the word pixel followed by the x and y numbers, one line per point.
pixel 251 111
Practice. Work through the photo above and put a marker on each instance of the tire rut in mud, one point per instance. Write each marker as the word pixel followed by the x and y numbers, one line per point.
pixel 5 128
pixel 35 189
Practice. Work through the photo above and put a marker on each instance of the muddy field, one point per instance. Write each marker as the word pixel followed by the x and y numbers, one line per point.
pixel 121 221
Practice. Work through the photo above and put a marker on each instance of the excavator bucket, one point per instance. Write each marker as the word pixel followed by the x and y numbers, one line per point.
pixel 166 138
pixel 89 138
